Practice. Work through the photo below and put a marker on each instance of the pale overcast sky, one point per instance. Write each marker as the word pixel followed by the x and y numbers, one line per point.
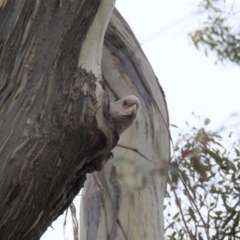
pixel 191 82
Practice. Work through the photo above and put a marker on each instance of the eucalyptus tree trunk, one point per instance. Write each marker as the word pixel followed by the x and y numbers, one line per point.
pixel 125 199
pixel 54 109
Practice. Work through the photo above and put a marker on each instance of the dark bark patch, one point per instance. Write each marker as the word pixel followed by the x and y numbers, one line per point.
pixel 49 134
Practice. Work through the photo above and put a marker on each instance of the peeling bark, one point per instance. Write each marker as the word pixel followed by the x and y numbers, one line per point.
pixel 125 199
pixel 54 109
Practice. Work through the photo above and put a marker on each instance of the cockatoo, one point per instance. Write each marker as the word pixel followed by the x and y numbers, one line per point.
pixel 124 112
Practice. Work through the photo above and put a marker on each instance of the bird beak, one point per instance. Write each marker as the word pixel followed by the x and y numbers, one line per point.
pixel 135 106
pixel 134 109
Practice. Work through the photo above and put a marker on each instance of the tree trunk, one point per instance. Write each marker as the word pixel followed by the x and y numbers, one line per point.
pixel 54 110
pixel 125 199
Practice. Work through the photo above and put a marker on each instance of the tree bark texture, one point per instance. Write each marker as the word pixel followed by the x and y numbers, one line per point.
pixel 125 199
pixel 54 109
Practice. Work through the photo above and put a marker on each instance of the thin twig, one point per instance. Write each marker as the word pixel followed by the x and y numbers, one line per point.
pixel 142 155
pixel 192 200
pixel 180 208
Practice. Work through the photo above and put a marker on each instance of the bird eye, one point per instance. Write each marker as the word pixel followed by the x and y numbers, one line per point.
pixel 124 104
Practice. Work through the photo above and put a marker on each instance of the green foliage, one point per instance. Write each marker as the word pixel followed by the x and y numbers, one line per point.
pixel 203 194
pixel 220 32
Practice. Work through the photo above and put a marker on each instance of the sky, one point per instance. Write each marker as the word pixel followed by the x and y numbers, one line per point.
pixel 191 81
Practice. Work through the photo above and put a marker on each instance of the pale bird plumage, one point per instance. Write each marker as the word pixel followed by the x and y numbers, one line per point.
pixel 124 112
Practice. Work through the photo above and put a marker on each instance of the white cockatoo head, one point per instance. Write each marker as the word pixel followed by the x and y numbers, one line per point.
pixel 124 112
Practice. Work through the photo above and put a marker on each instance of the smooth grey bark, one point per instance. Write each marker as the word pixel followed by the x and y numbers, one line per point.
pixel 125 199
pixel 54 112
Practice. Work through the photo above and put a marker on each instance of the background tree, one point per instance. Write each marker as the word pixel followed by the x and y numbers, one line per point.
pixel 205 169
pixel 219 31
pixel 204 186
